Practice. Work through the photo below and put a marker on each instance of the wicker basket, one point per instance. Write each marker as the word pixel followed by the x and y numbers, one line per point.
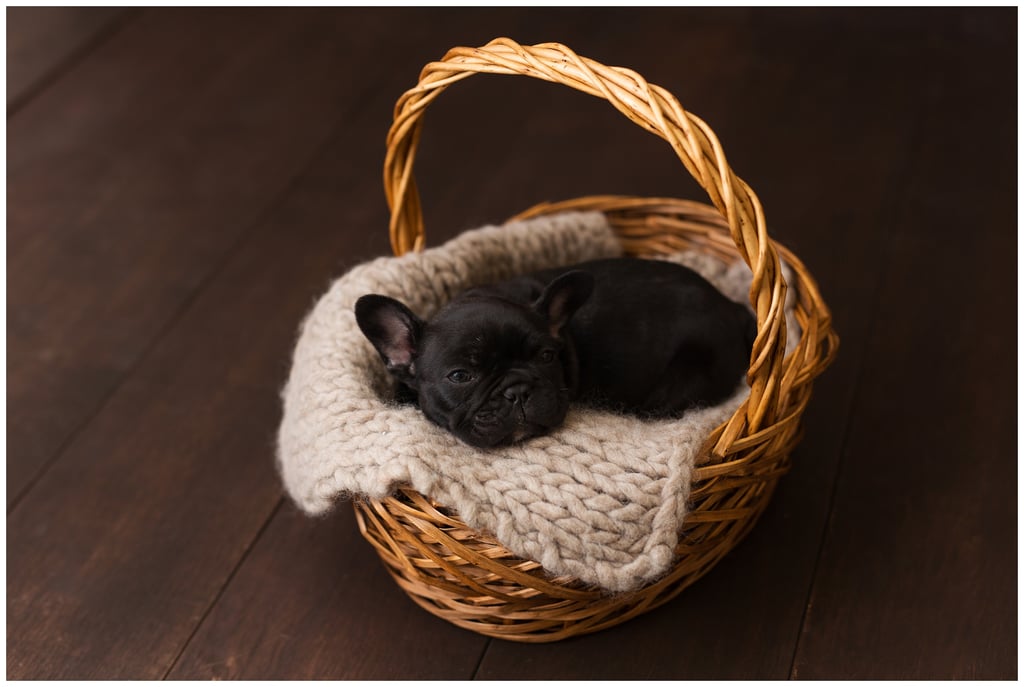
pixel 466 576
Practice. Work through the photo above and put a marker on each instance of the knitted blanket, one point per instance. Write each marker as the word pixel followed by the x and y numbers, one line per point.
pixel 602 498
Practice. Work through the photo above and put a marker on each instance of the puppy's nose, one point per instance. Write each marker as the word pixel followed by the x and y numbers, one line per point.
pixel 517 392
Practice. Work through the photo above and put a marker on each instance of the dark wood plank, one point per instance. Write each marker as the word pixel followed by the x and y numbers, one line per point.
pixel 918 576
pixel 43 41
pixel 313 603
pixel 122 546
pixel 130 181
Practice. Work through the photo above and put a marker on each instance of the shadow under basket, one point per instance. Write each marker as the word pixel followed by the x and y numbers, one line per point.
pixel 468 578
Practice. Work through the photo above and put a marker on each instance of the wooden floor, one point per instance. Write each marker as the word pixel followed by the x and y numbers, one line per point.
pixel 183 183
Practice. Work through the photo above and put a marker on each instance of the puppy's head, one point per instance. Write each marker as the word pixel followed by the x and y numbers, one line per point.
pixel 490 370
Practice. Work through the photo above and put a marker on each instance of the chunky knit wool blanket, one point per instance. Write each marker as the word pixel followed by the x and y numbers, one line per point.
pixel 602 498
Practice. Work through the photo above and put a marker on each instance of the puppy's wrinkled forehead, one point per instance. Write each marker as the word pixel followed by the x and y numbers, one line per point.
pixel 483 332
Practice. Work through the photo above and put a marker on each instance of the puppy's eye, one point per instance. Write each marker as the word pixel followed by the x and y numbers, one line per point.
pixel 547 355
pixel 459 376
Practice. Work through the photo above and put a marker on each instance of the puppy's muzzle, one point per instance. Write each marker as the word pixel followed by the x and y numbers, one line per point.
pixel 529 402
pixel 516 409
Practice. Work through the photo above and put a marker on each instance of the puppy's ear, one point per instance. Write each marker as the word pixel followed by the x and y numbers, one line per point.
pixel 392 329
pixel 563 297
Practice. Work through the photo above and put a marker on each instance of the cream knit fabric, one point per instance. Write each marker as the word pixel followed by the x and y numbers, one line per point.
pixel 602 498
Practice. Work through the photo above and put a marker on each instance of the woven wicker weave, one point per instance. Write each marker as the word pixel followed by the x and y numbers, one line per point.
pixel 466 576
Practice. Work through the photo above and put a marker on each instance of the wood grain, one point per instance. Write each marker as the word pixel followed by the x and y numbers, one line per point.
pixel 312 603
pixel 120 548
pixel 42 41
pixel 132 179
pixel 918 574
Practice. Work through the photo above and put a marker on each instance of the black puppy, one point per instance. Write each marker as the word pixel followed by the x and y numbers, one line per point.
pixel 501 363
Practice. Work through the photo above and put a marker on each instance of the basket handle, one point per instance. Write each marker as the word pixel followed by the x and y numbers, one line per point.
pixel 648 106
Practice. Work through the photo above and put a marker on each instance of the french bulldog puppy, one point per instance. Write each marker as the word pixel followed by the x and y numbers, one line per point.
pixel 501 363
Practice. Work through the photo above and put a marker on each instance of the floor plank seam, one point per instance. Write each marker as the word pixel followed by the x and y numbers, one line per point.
pixel 823 537
pixel 86 421
pixel 75 57
pixel 143 355
pixel 480 661
pixel 889 207
pixel 223 588
pixel 235 247
pixel 289 185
